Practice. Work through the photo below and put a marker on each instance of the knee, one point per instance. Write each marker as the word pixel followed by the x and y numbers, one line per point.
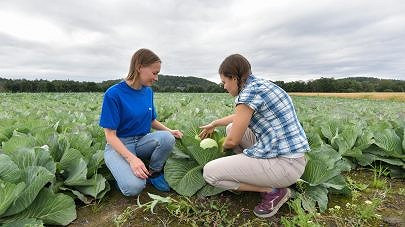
pixel 131 188
pixel 228 128
pixel 166 139
pixel 208 174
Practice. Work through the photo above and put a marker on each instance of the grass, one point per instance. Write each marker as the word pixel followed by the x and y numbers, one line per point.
pixel 378 181
pixel 367 205
pixel 301 218
pixel 392 96
pixel 122 218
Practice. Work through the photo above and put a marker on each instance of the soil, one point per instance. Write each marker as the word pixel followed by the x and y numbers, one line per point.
pixel 114 203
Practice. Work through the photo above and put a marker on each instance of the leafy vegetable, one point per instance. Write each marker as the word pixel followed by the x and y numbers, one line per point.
pixel 184 172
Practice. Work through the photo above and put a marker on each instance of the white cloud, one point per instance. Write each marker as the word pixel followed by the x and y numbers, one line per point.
pixel 284 40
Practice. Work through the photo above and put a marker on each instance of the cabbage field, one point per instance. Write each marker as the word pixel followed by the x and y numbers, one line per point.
pixel 52 170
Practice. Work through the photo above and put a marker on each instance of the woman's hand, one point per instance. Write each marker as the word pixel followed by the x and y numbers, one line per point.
pixel 176 133
pixel 207 130
pixel 138 168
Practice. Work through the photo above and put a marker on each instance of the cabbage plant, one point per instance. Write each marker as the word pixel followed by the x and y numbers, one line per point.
pixel 183 170
pixel 42 171
pixel 322 173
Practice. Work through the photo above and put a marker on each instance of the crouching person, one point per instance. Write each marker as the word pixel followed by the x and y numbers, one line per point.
pixel 265 134
pixel 127 116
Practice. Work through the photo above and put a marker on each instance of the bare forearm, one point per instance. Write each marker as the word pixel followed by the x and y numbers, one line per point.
pixel 118 146
pixel 137 166
pixel 207 130
pixel 223 121
pixel 241 119
pixel 159 126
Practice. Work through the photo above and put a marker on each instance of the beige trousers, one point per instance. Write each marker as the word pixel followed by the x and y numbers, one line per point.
pixel 229 172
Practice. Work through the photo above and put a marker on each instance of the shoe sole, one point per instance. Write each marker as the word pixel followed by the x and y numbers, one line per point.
pixel 275 209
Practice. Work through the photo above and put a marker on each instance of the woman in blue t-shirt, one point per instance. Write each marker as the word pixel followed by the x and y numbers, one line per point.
pixel 127 115
pixel 265 134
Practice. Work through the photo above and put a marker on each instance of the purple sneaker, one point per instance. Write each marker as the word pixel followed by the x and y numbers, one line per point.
pixel 271 202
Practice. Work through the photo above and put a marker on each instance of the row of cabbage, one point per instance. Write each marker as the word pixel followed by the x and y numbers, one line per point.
pixel 363 132
pixel 51 155
pixel 343 135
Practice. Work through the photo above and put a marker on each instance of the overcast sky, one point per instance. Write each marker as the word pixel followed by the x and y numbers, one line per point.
pixel 90 40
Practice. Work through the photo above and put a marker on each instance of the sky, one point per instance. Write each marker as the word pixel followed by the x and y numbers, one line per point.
pixel 89 40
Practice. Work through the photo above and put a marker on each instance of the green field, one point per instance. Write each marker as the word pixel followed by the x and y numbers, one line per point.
pixel 52 170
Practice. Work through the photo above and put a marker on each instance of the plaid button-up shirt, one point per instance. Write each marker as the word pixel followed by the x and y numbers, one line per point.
pixel 274 121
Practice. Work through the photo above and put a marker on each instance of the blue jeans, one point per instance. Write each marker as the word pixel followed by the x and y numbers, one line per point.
pixel 155 147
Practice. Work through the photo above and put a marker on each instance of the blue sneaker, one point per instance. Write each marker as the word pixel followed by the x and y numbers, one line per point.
pixel 159 182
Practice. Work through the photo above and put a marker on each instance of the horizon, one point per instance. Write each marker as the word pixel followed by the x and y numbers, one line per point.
pixel 350 77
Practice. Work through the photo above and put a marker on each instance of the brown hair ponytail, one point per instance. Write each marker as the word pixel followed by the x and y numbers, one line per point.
pixel 236 66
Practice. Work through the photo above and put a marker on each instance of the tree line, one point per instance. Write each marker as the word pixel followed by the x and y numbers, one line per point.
pixel 164 84
pixel 351 84
pixel 194 84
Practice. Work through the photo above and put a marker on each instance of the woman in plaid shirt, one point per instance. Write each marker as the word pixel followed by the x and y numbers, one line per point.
pixel 265 134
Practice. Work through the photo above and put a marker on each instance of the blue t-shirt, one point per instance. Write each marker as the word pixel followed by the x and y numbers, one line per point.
pixel 128 111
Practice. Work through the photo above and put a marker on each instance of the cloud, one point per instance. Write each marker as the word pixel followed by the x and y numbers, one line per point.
pixel 284 40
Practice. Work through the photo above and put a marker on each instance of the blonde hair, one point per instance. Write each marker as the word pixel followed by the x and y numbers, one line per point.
pixel 142 57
